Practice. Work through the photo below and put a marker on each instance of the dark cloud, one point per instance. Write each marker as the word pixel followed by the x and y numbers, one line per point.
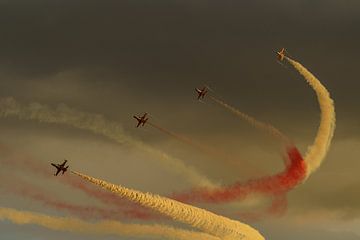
pixel 168 47
pixel 119 58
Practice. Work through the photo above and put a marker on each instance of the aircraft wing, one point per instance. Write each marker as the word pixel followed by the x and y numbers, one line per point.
pixel 57 172
pixel 144 116
pixel 53 164
pixel 136 118
pixel 63 164
pixel 138 124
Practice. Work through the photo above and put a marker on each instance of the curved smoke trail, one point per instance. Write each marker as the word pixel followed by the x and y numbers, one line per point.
pixel 293 174
pixel 284 181
pixel 94 123
pixel 25 189
pixel 127 209
pixel 101 228
pixel 213 224
pixel 97 124
pixel 280 183
pixel 204 220
pixel 317 152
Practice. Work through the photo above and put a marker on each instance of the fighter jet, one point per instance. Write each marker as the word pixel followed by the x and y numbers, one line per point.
pixel 281 54
pixel 141 120
pixel 60 167
pixel 201 92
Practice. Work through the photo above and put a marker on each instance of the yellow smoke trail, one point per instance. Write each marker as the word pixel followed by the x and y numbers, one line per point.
pixel 204 220
pixel 97 124
pixel 67 224
pixel 260 125
pixel 317 152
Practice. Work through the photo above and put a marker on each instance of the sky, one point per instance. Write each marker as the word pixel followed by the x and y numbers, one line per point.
pixel 120 58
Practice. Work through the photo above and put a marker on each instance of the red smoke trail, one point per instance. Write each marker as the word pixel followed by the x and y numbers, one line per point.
pixel 270 185
pixel 276 185
pixel 280 183
pixel 28 190
pixel 21 162
pixel 277 207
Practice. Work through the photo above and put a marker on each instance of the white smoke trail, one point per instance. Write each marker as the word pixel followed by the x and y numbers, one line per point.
pixel 97 124
pixel 318 150
pixel 204 220
pixel 102 228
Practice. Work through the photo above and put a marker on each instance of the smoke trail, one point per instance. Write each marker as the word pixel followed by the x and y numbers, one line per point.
pixel 204 149
pixel 206 221
pixel 96 124
pixel 27 190
pixel 279 183
pixel 101 228
pixel 265 126
pixel 127 208
pixel 81 120
pixel 242 190
pixel 293 174
pixel 317 152
pixel 26 163
pixel 182 139
pixel 277 207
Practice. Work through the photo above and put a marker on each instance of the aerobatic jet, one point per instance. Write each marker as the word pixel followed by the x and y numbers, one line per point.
pixel 141 120
pixel 281 54
pixel 60 167
pixel 201 92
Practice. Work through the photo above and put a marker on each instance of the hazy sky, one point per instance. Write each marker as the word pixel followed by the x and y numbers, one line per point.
pixel 119 58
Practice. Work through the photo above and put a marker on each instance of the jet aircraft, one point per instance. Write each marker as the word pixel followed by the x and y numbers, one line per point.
pixel 201 92
pixel 60 167
pixel 141 120
pixel 281 54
